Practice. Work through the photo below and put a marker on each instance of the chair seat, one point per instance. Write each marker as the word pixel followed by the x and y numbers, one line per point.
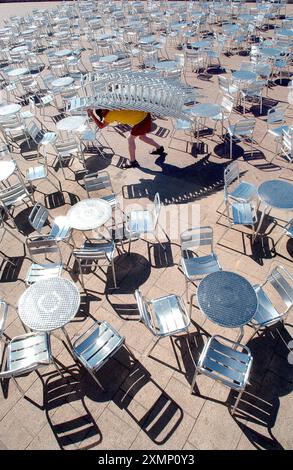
pixel 224 363
pixel 194 267
pixel 182 124
pixel 87 134
pixel 140 222
pixel 111 199
pixel 266 313
pixel 169 315
pixel 242 213
pixel 243 192
pixel 48 138
pixel 36 173
pixel 27 115
pixel 97 345
pixel 27 351
pixel 47 99
pixel 278 131
pixel 41 271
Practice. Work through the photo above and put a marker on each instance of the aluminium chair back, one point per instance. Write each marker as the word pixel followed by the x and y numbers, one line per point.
pixel 282 281
pixel 143 310
pixel 231 173
pixel 34 131
pixel 287 143
pixel 13 194
pixel 244 127
pixel 227 104
pixel 195 237
pixel 93 250
pixel 97 181
pixel 38 217
pixel 3 315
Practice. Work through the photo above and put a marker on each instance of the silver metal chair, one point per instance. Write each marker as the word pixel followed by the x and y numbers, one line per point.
pixel 38 217
pixel 164 316
pixel 236 189
pixel 241 130
pixel 98 182
pixel 94 250
pixel 281 280
pixel 39 136
pixel 196 266
pixel 67 150
pixel 96 346
pixel 13 195
pixel 25 354
pixel 226 364
pixel 39 248
pixel 141 222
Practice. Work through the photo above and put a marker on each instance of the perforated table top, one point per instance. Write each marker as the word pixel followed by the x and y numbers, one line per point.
pixel 89 214
pixel 276 193
pixel 227 299
pixel 49 304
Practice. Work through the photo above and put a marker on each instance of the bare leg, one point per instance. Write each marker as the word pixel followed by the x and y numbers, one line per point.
pixel 131 147
pixel 149 140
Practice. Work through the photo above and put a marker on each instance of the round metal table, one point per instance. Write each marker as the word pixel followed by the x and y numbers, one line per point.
pixel 276 194
pixel 71 123
pixel 89 214
pixel 49 304
pixel 9 109
pixel 227 299
pixel 18 72
pixel 203 111
pixel 7 168
pixel 62 82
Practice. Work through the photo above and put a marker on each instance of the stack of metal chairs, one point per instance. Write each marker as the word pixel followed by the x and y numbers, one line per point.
pixel 143 91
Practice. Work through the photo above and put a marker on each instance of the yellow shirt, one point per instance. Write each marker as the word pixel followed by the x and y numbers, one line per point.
pixel 125 116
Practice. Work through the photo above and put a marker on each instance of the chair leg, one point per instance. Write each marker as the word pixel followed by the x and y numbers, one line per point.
pixel 114 274
pixel 21 391
pixel 237 402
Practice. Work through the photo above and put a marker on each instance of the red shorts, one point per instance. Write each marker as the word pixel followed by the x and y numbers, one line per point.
pixel 142 127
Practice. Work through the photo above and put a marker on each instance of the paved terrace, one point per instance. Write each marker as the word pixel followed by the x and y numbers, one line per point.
pixel 148 404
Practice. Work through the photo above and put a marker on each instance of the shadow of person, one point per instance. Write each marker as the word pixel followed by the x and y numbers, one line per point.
pixel 179 185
